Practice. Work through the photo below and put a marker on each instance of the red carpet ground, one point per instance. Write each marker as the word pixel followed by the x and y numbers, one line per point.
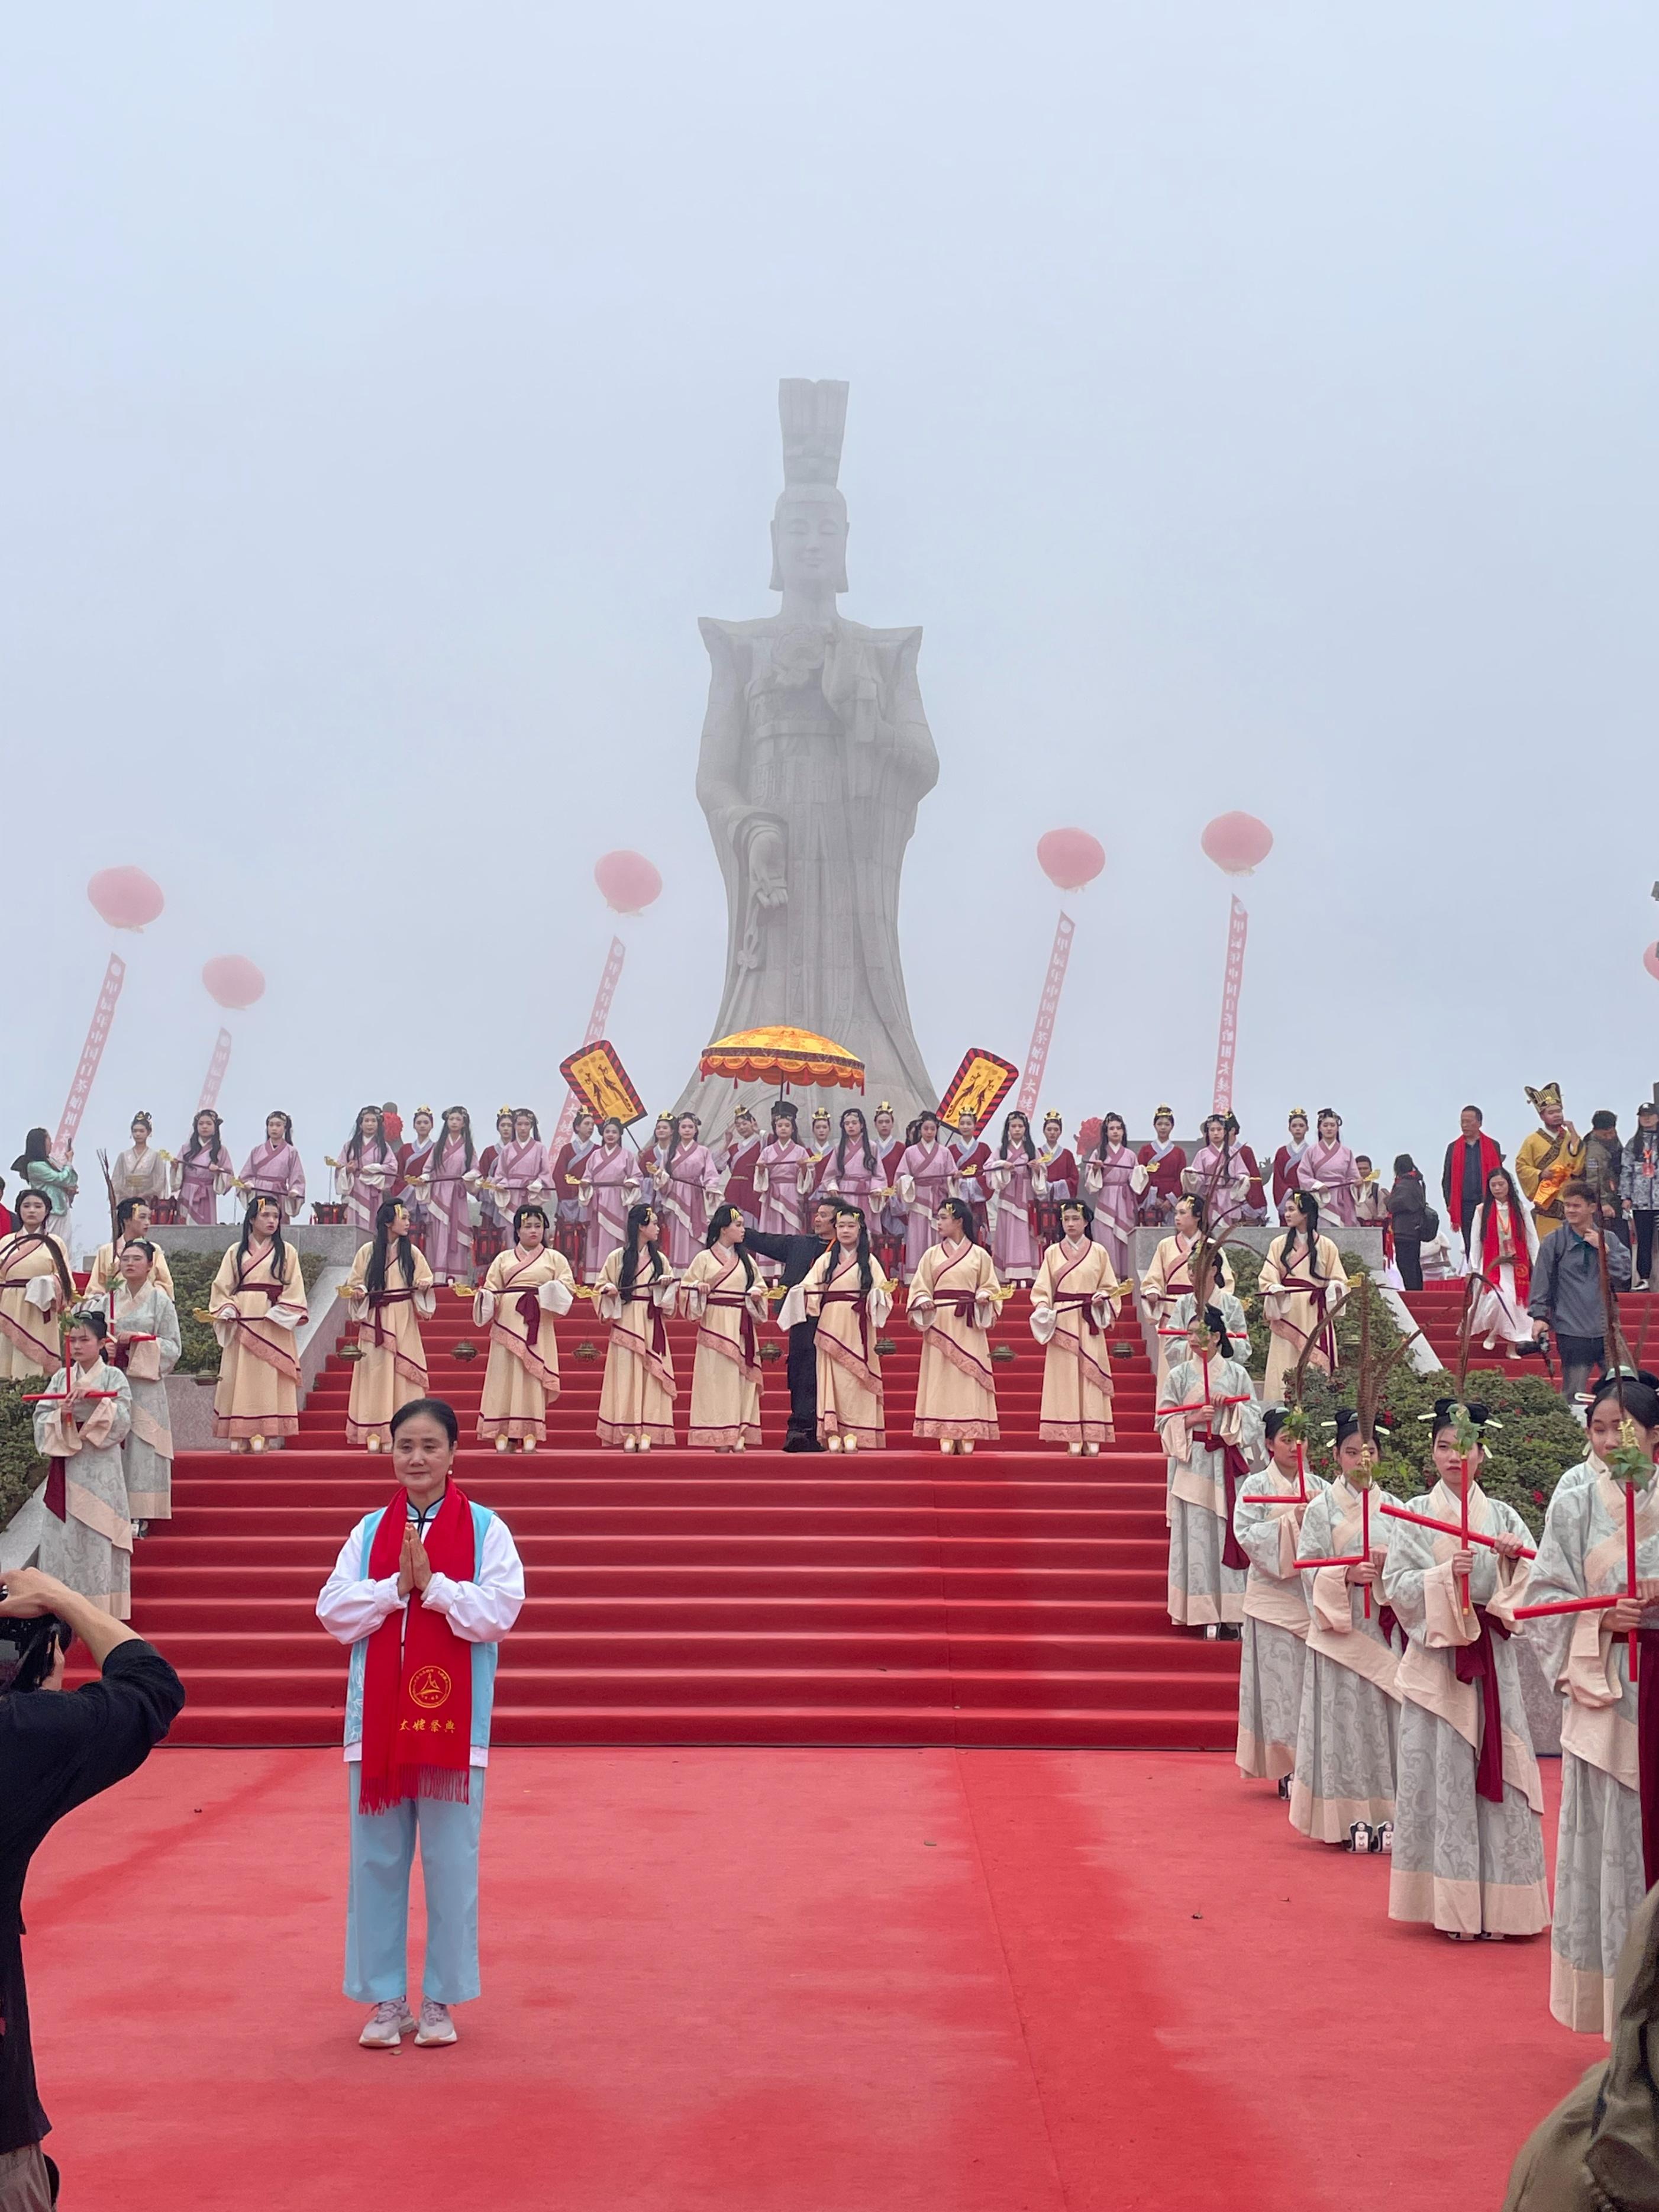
pixel 782 1981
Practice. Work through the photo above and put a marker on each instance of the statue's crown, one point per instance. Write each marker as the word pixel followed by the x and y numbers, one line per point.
pixel 813 419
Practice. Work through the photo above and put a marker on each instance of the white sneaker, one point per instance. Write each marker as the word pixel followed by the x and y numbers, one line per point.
pixel 436 2025
pixel 387 2025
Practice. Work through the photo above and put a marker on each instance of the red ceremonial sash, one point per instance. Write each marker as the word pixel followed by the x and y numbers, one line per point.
pixel 1490 1261
pixel 417 1672
pixel 1477 1662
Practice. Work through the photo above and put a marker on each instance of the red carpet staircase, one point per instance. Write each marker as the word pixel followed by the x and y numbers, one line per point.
pixel 1438 1309
pixel 1017 1597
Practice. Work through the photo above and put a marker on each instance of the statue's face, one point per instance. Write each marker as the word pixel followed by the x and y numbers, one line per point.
pixel 811 536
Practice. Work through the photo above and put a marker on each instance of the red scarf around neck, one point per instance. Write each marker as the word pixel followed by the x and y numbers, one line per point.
pixel 1489 1260
pixel 417 1673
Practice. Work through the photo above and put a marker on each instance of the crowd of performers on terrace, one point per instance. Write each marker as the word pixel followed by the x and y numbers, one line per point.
pixel 1379 1682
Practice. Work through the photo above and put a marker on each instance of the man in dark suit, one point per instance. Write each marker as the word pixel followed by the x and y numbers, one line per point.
pixel 798 1255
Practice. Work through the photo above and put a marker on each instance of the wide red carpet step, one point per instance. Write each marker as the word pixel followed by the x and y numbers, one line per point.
pixel 900 1597
pixel 1438 1309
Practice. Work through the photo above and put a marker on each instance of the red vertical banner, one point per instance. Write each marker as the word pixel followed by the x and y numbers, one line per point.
pixel 103 1014
pixel 1227 1047
pixel 215 1077
pixel 596 1026
pixel 1036 1059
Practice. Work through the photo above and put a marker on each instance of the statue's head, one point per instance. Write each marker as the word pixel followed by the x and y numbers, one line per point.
pixel 809 539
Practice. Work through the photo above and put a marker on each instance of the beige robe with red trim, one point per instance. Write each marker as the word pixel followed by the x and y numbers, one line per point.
pixel 852 1396
pixel 392 1373
pixel 1294 1315
pixel 522 1377
pixel 91 1548
pixel 29 1311
pixel 725 1387
pixel 1168 1279
pixel 1077 1367
pixel 955 1385
pixel 636 1398
pixel 149 1325
pixel 258 1390
pixel 1346 1743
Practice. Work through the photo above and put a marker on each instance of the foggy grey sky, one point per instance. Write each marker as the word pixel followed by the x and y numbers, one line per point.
pixel 1254 404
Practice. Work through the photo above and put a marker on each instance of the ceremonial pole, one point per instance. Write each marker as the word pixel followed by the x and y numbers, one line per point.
pixel 125 899
pixel 1237 844
pixel 1071 859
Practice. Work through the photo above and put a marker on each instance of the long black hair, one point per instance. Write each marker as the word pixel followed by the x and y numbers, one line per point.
pixel 40 1236
pixel 1309 1229
pixel 913 1135
pixel 528 1112
pixel 385 1214
pixel 37 1146
pixel 633 1244
pixel 1102 1140
pixel 217 1149
pixel 354 1151
pixel 962 1213
pixel 531 1212
pixel 287 1120
pixel 865 1274
pixel 864 1142
pixel 1007 1127
pixel 674 1141
pixel 722 1217
pixel 278 1249
pixel 1080 1206
pixel 443 1137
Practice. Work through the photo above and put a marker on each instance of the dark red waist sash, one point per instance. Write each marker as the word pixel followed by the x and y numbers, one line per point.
pixel 1477 1662
pixel 1084 1301
pixel 852 1298
pixel 1234 1468
pixel 746 1335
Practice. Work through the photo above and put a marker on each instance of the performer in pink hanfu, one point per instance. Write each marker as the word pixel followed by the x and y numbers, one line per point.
pixel 1328 1172
pixel 653 1156
pixel 413 1159
pixel 890 1150
pixel 1113 1180
pixel 1013 1177
pixel 521 1172
pixel 778 1174
pixel 855 1175
pixel 202 1173
pixel 1058 1161
pixel 924 1176
pixel 272 1170
pixel 690 1187
pixel 819 1158
pixel 489 1161
pixel 1218 1177
pixel 610 1188
pixel 445 1189
pixel 741 1152
pixel 971 1155
pixel 366 1170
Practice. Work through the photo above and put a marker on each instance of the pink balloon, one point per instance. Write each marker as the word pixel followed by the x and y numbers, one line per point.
pixel 1069 858
pixel 127 897
pixel 230 981
pixel 1650 961
pixel 1237 844
pixel 627 880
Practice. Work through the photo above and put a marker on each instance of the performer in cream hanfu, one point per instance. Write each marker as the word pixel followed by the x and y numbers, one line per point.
pixel 1469 1838
pixel 35 1286
pixel 608 1181
pixel 424 1591
pixel 525 1287
pixel 446 1187
pixel 924 1176
pixel 1112 1180
pixel 273 1169
pixel 140 1172
pixel 722 1291
pixel 1302 1283
pixel 131 1222
pixel 258 1301
pixel 637 1294
pixel 1349 1727
pixel 1503 1252
pixel 1267 1523
pixel 850 1299
pixel 1210 1425
pixel 1169 1278
pixel 954 1301
pixel 1073 1304
pixel 1603 1866
pixel 1013 1177
pixel 143 1342
pixel 82 1521
pixel 389 1293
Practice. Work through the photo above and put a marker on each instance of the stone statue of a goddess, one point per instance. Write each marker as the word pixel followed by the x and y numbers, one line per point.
pixel 815 753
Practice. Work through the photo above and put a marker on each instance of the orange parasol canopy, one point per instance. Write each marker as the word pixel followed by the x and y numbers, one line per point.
pixel 784 1055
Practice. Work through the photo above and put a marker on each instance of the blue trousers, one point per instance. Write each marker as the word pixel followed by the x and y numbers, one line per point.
pixel 377 1899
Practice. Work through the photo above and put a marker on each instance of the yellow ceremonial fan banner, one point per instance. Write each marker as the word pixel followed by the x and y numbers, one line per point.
pixel 978 1087
pixel 599 1079
pixel 785 1055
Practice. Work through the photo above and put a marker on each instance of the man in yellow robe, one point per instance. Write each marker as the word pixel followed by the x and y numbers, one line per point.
pixel 1549 1158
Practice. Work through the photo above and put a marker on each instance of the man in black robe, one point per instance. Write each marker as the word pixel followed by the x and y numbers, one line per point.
pixel 797 1255
pixel 57 1750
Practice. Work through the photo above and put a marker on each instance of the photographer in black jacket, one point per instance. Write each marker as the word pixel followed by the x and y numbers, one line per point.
pixel 57 1750
pixel 799 1254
